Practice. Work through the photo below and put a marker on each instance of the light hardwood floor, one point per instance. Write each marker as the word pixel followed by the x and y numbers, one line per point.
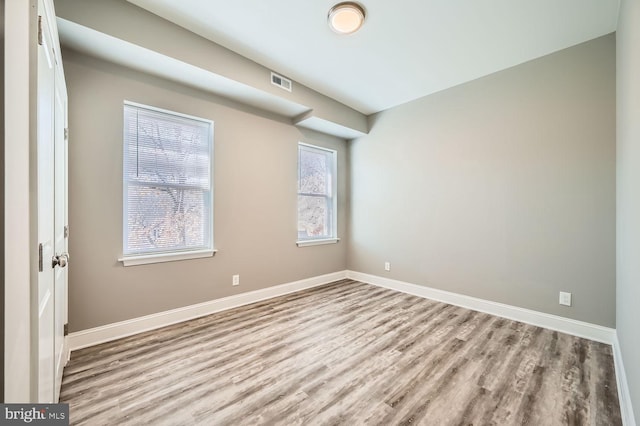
pixel 345 353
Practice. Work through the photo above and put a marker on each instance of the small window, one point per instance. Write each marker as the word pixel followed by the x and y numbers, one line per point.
pixel 168 185
pixel 317 201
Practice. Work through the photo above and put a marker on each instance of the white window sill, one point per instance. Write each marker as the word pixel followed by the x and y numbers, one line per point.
pixel 307 243
pixel 165 257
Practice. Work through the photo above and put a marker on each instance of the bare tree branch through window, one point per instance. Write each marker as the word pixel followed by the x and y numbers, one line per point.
pixel 316 193
pixel 168 189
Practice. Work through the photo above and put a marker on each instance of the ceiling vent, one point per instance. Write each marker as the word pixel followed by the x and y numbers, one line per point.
pixel 280 81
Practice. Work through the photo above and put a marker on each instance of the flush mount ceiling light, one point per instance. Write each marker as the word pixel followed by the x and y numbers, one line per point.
pixel 346 17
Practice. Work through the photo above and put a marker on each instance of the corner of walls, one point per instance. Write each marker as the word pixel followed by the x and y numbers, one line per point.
pixel 624 397
pixel 502 188
pixel 628 200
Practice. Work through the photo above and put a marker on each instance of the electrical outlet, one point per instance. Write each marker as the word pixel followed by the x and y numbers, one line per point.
pixel 565 298
pixel 387 266
pixel 235 280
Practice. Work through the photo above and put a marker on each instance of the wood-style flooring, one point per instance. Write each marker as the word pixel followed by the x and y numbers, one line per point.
pixel 345 353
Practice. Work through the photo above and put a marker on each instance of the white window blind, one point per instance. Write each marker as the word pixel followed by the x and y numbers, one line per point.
pixel 168 197
pixel 316 193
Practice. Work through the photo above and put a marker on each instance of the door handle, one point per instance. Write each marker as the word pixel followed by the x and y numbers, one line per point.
pixel 61 260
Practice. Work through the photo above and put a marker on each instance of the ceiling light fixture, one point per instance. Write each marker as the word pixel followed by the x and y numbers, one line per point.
pixel 346 17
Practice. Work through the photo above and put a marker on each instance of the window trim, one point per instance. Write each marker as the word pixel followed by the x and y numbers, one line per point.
pixel 172 255
pixel 333 239
pixel 145 259
pixel 317 242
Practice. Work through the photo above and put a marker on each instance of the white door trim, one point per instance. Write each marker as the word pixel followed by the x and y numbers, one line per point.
pixel 19 243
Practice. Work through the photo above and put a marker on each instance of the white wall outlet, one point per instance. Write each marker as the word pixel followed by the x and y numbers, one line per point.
pixel 387 266
pixel 235 280
pixel 565 298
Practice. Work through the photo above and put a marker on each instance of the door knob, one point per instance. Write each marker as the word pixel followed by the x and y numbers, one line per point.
pixel 60 260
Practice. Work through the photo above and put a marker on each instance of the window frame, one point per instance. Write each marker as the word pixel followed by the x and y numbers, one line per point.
pixel 168 255
pixel 304 242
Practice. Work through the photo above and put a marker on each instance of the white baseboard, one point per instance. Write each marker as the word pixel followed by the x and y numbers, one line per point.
pixel 106 333
pixel 540 319
pixel 109 332
pixel 565 325
pixel 95 336
pixel 626 409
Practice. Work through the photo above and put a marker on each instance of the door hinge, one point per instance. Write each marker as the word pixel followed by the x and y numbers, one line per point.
pixel 40 30
pixel 66 231
pixel 40 268
pixel 66 329
pixel 66 133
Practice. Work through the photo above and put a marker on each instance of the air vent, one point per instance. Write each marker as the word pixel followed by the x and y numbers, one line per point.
pixel 281 82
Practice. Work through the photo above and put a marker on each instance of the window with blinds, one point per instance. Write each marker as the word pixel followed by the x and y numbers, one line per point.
pixel 316 193
pixel 168 186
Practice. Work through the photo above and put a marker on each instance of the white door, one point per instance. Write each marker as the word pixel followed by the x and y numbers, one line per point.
pixel 60 229
pixel 52 199
pixel 45 147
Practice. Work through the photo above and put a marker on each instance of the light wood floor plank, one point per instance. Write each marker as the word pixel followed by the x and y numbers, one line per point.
pixel 345 353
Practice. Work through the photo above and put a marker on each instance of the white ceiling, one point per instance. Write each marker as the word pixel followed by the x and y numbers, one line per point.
pixel 407 48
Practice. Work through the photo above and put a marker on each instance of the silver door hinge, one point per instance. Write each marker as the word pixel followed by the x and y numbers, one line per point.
pixel 66 329
pixel 66 133
pixel 66 231
pixel 40 30
pixel 40 269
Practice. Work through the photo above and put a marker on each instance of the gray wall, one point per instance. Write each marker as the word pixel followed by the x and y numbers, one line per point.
pixel 502 188
pixel 628 200
pixel 255 200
